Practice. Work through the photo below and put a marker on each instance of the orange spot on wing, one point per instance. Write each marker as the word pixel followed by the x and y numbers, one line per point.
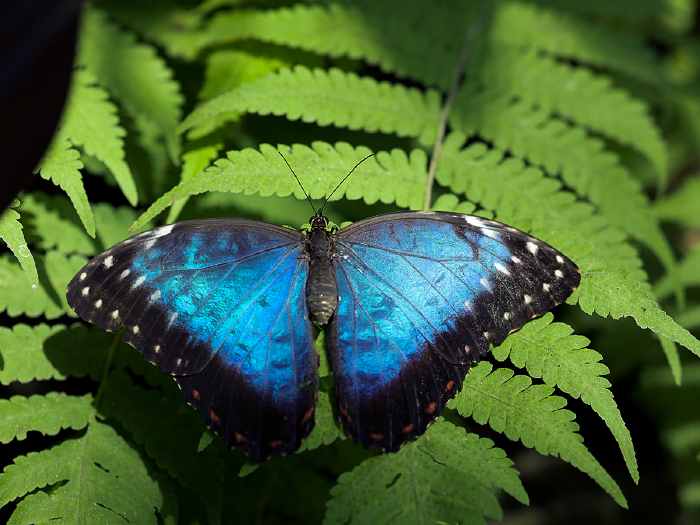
pixel 407 429
pixel 215 419
pixel 195 394
pixel 431 408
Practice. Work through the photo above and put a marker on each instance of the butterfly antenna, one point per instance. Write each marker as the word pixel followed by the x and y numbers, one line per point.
pixel 343 180
pixel 300 184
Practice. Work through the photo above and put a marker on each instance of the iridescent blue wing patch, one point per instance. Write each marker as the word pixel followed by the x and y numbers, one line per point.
pixel 220 305
pixel 421 298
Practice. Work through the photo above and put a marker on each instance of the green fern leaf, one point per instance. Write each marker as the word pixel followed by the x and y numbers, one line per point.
pixel 613 282
pixel 53 225
pixel 570 36
pixel 550 351
pixel 687 273
pixel 330 97
pixel 582 161
pixel 134 73
pixel 388 177
pixel 47 414
pixel 577 94
pixel 91 122
pixel 447 476
pixel 41 352
pixel 61 165
pixel 670 351
pixel 355 34
pixel 325 430
pixel 193 163
pixel 19 296
pixel 170 434
pixel 105 482
pixel 11 232
pixel 360 31
pixel 512 405
pixel 681 207
pixel 632 10
pixel 690 317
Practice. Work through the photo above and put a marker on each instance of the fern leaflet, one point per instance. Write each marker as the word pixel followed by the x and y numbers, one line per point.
pixel 388 177
pixel 97 478
pixel 550 351
pixel 613 282
pixel 91 123
pixel 529 413
pixel 577 94
pixel 47 414
pixel 193 163
pixel 134 73
pixel 447 476
pixel 13 236
pixel 330 97
pixel 19 297
pixel 360 31
pixel 41 352
pixel 559 148
pixel 61 165
pixel 681 207
pixel 687 273
pixel 54 225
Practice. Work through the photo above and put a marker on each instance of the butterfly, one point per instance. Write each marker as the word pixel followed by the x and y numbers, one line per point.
pixel 409 301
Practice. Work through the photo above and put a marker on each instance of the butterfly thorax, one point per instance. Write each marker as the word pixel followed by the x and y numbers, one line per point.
pixel 321 287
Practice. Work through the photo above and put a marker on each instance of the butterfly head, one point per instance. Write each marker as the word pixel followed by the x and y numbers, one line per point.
pixel 318 222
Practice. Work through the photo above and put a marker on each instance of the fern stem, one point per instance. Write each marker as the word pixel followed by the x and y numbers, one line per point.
pixel 108 365
pixel 457 79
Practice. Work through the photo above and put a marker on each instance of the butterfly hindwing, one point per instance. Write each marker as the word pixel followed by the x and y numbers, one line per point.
pixel 220 304
pixel 421 298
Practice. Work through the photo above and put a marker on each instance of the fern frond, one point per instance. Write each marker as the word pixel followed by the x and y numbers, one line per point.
pixel 687 273
pixel 388 177
pixel 169 433
pixel 47 414
pixel 577 94
pixel 19 296
pixel 11 232
pixel 134 73
pixel 330 97
pixel 325 430
pixel 447 476
pixel 613 281
pixel 573 37
pixel 561 149
pixel 91 123
pixel 690 317
pixel 360 31
pixel 630 10
pixel 194 162
pixel 512 405
pixel 41 352
pixel 61 165
pixel 105 481
pixel 681 207
pixel 552 352
pixel 53 225
pixel 670 351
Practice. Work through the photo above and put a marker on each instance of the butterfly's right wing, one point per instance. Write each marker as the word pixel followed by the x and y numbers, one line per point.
pixel 221 305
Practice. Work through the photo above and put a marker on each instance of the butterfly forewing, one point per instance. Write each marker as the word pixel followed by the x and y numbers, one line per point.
pixel 422 296
pixel 219 304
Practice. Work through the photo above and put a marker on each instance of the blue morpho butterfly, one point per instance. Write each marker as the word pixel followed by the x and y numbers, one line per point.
pixel 230 307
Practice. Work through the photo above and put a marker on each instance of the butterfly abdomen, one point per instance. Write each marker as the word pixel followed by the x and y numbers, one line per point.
pixel 321 287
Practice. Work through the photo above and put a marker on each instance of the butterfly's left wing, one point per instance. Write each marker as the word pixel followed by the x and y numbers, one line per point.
pixel 421 298
pixel 220 305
